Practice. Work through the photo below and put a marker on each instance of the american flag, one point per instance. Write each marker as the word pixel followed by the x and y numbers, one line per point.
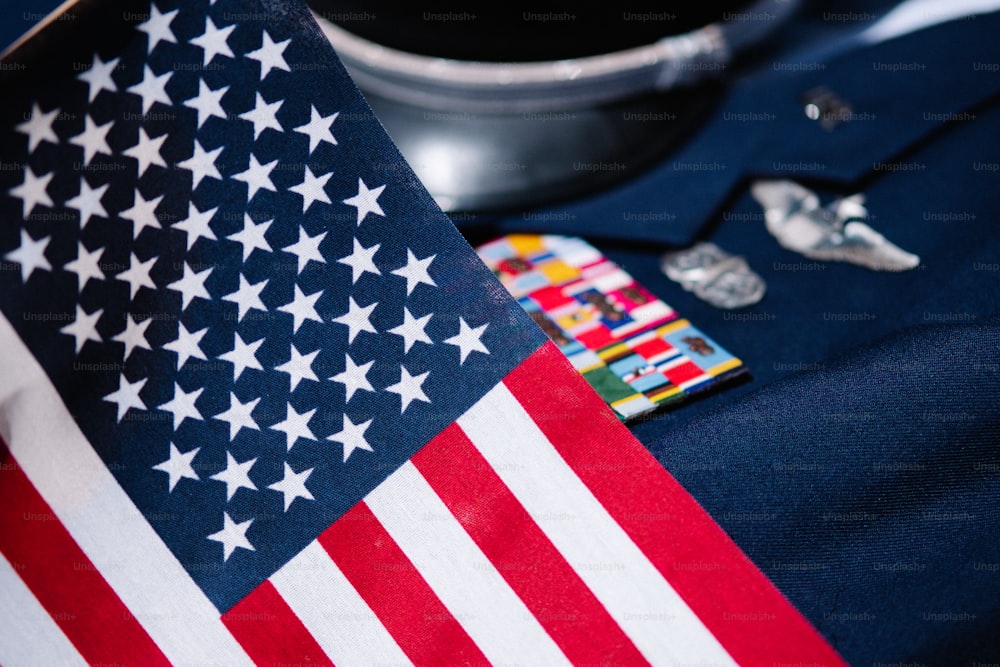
pixel 261 403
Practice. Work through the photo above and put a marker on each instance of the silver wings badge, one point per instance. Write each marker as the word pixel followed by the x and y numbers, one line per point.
pixel 835 232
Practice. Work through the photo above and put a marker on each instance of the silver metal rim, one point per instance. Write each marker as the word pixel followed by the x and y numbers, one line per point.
pixel 461 85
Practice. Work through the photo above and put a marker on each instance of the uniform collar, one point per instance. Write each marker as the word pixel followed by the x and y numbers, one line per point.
pixel 882 99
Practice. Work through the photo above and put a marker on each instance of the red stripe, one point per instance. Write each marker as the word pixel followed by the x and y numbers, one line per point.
pixel 596 338
pixel 550 298
pixel 653 347
pixel 683 372
pixel 270 632
pixel 63 579
pixel 391 586
pixel 521 552
pixel 720 584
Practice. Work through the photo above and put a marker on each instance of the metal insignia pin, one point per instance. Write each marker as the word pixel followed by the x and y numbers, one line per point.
pixel 714 276
pixel 835 232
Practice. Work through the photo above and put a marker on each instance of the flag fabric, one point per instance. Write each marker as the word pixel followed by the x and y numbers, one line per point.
pixel 261 403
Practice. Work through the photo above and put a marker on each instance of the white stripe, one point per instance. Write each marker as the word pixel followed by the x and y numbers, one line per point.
pixel 643 338
pixel 574 251
pixel 459 573
pixel 625 329
pixel 662 357
pixel 101 518
pixel 584 359
pixel 30 636
pixel 611 281
pixel 698 379
pixel 651 312
pixel 640 600
pixel 335 614
pixel 678 360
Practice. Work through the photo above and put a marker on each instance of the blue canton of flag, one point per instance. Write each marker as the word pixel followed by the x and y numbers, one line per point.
pixel 267 313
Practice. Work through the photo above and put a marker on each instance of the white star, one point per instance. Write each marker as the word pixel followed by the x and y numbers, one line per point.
pixel 39 127
pixel 147 151
pixel 236 475
pixel 366 201
pixel 409 388
pixel 293 485
pixel 142 214
pixel 352 436
pixel 201 164
pixel 86 266
pixel 98 77
pixel 415 271
pixel 318 129
pixel 357 319
pixel 182 406
pixel 33 191
pixel 306 248
pixel 299 367
pixel 311 189
pixel 187 345
pixel 191 285
pixel 84 327
pixel 295 426
pixel 157 27
pixel 88 202
pixel 178 466
pixel 93 139
pixel 257 177
pixel 302 308
pixel 196 224
pixel 152 89
pixel 263 116
pixel 412 330
pixel 468 340
pixel 30 255
pixel 247 297
pixel 127 396
pixel 354 377
pixel 243 356
pixel 233 536
pixel 361 260
pixel 208 102
pixel 270 55
pixel 137 275
pixel 238 415
pixel 252 236
pixel 214 42
pixel 134 335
